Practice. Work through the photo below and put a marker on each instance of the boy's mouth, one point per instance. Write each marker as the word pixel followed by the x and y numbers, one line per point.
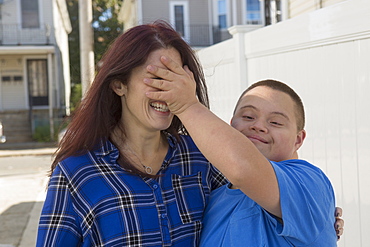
pixel 257 138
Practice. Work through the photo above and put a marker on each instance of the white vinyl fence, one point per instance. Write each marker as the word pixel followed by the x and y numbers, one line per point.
pixel 325 56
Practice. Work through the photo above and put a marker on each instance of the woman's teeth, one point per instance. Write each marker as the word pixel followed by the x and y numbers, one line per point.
pixel 159 107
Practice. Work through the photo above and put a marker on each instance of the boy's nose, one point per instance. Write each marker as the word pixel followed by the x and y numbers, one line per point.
pixel 258 126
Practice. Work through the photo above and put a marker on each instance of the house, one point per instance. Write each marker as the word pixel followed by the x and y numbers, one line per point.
pixel 206 22
pixel 34 67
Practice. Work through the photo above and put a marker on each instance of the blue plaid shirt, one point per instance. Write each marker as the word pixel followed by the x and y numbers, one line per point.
pixel 92 201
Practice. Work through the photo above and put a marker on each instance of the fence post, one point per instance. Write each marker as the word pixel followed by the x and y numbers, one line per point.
pixel 238 33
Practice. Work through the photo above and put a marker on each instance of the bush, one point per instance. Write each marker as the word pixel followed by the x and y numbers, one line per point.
pixel 42 132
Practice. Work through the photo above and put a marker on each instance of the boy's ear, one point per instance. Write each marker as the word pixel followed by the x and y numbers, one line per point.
pixel 118 88
pixel 301 135
pixel 231 121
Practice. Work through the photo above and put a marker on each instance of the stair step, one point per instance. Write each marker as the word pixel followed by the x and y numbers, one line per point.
pixel 16 126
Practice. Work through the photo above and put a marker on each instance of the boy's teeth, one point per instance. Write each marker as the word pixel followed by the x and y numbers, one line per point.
pixel 160 107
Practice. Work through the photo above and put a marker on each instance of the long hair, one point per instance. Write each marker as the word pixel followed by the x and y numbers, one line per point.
pixel 100 110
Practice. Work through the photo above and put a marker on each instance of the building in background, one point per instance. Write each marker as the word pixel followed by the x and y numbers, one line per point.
pixel 206 22
pixel 34 67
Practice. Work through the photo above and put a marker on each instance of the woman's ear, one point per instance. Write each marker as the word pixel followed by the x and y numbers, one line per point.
pixel 118 88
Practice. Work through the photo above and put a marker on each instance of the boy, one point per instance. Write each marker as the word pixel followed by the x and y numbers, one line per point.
pixel 281 200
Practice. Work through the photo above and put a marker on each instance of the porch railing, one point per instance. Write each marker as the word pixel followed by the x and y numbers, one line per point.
pixel 14 34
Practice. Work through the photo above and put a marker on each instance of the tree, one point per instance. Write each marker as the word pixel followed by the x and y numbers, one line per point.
pixel 106 25
pixel 106 29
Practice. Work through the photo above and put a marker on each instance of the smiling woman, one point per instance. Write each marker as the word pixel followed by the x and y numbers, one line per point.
pixel 126 173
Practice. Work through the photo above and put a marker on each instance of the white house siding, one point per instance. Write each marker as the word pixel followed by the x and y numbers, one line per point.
pixel 298 7
pixel 47 12
pixel 155 9
pixel 128 14
pixel 10 10
pixel 199 12
pixel 326 3
pixel 12 93
pixel 325 56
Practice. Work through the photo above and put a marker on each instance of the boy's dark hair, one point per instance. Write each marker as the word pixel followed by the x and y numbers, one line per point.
pixel 282 87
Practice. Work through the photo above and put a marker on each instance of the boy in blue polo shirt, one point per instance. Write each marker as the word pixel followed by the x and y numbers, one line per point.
pixel 271 115
pixel 274 198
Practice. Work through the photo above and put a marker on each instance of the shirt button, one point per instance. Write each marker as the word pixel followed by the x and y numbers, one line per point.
pixel 164 216
pixel 155 186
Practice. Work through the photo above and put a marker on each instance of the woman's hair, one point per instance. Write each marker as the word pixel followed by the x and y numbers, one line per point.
pixel 100 110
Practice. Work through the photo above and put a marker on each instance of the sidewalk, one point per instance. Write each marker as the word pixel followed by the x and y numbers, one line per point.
pixel 24 193
pixel 29 148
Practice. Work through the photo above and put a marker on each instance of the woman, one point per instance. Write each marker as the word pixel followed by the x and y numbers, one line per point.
pixel 126 173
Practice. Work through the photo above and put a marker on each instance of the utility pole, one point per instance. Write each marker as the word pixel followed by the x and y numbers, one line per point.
pixel 86 44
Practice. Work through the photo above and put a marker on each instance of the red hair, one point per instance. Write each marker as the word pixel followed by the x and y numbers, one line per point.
pixel 100 110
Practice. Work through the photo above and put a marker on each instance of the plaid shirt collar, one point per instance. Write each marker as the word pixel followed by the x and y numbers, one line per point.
pixel 107 150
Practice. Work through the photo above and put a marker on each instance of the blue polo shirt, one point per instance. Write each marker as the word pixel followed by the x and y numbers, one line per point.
pixel 307 204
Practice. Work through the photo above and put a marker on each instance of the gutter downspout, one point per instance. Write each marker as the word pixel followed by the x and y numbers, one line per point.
pixel 51 96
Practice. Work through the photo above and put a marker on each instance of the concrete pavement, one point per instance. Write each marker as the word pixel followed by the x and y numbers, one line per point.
pixel 22 194
pixel 29 148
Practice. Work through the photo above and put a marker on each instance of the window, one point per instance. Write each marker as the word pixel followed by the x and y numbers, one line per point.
pixel 18 78
pixel 38 82
pixel 222 14
pixel 179 19
pixel 253 12
pixel 6 79
pixel 30 13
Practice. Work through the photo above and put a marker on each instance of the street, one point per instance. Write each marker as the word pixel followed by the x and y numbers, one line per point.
pixel 23 181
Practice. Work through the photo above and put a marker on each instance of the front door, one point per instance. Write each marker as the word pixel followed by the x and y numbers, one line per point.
pixel 38 82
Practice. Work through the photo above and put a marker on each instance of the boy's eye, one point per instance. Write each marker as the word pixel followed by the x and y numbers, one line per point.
pixel 276 123
pixel 247 117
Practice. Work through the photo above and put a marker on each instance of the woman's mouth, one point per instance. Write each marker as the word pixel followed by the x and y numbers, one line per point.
pixel 159 106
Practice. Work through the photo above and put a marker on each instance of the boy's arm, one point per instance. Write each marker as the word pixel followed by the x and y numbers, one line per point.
pixel 225 147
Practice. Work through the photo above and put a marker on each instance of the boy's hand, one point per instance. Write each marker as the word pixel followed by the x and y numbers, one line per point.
pixel 176 84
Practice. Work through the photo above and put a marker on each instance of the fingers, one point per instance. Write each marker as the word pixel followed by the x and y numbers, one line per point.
pixel 188 71
pixel 172 65
pixel 157 95
pixel 339 223
pixel 174 85
pixel 170 72
pixel 171 77
pixel 339 232
pixel 157 83
pixel 338 212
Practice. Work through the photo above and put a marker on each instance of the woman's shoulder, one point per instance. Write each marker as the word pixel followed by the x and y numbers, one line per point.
pixel 72 164
pixel 180 139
